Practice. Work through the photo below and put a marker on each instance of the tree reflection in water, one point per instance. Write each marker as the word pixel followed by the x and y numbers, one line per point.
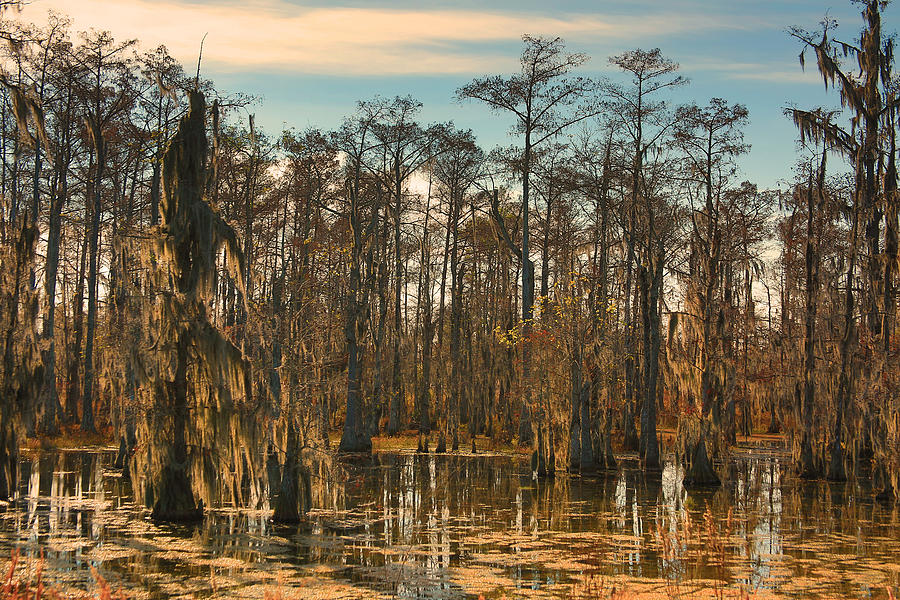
pixel 446 526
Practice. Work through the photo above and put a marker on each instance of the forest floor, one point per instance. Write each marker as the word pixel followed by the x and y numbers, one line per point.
pixel 409 440
pixel 71 437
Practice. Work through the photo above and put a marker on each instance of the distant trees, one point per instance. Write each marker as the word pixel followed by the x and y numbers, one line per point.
pixel 710 138
pixel 404 147
pixel 101 66
pixel 363 200
pixel 541 98
pixel 455 170
pixel 646 121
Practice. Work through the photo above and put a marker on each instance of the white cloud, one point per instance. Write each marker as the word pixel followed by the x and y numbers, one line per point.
pixel 276 35
pixel 770 72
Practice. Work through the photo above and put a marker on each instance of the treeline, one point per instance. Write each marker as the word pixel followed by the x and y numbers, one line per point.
pixel 225 300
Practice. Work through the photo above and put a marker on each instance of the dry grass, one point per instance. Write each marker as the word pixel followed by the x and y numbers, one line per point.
pixel 16 588
pixel 24 581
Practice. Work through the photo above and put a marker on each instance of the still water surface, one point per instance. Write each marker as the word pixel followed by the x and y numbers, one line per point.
pixel 410 526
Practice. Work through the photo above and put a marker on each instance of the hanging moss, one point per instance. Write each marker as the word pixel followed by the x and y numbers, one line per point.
pixel 194 378
pixel 21 370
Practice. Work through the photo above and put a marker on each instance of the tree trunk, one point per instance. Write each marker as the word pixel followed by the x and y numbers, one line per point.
pixel 50 398
pixel 525 425
pixel 356 437
pixel 700 472
pixel 173 494
pixel 73 387
pixel 87 396
pixel 651 284
pixel 629 431
pixel 807 464
pixel 9 459
pixel 294 497
pixel 396 381
pixel 423 395
pixel 575 417
pixel 377 405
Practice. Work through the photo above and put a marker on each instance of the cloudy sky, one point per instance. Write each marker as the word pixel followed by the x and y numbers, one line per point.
pixel 309 62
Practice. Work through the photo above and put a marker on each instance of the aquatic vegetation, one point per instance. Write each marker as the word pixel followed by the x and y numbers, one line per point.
pixel 407 525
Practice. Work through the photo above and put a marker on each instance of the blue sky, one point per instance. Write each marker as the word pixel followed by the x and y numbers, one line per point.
pixel 311 61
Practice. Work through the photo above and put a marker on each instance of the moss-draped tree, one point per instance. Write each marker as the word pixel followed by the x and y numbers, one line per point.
pixel 188 361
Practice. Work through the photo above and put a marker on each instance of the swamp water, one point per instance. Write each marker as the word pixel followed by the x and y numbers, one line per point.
pixel 445 526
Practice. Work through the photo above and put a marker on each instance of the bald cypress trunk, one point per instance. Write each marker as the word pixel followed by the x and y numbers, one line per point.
pixel 174 496
pixel 453 418
pixel 701 473
pixel 891 247
pixel 294 491
pixel 73 387
pixel 630 437
pixel 396 400
pixel 423 393
pixel 651 285
pixel 807 464
pixel 526 433
pixel 836 467
pixel 355 437
pixel 576 447
pixel 50 397
pixel 87 395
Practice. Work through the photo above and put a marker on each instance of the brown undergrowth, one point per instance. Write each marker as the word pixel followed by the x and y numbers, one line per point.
pixel 73 437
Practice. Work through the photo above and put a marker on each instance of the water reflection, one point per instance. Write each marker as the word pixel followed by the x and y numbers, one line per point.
pixel 413 526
